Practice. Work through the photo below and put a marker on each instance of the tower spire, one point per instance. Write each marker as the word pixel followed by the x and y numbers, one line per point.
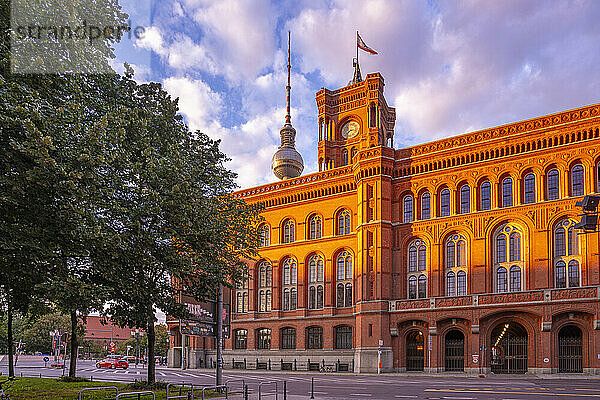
pixel 287 162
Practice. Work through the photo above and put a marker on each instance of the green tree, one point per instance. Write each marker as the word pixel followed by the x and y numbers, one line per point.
pixel 37 335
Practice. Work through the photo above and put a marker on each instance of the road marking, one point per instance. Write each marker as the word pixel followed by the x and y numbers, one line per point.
pixel 506 392
pixel 179 375
pixel 360 394
pixel 405 396
pixel 459 398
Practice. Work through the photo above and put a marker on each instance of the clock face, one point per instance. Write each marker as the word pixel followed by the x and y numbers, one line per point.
pixel 350 130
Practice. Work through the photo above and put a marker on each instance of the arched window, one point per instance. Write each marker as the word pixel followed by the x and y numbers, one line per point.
pixel 567 260
pixel 263 339
pixel 515 279
pixel 407 209
pixel 315 227
pixel 412 287
pixel 264 235
pixel 456 265
pixel 242 297
pixel 450 284
pixel 577 180
pixel 461 283
pixel 343 337
pixel 465 199
pixel 315 282
pixel 289 284
pixel 344 157
pixel 240 341
pixel 501 280
pixel 529 189
pixel 422 286
pixel 343 222
pixel 507 260
pixel 353 153
pixel 425 205
pixel 445 202
pixel 507 192
pixel 314 337
pixel 265 274
pixel 288 338
pixel 553 184
pixel 417 263
pixel 485 196
pixel 289 231
pixel 344 279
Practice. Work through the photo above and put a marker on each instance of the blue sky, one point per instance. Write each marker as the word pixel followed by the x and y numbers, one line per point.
pixel 449 66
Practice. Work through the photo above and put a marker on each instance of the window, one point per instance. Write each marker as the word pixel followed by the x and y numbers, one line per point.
pixel 486 196
pixel 573 273
pixel 344 157
pixel 422 286
pixel 450 284
pixel 240 341
pixel 445 203
pixel 412 287
pixel 288 338
pixel 408 209
pixel 314 337
pixel 314 223
pixel 553 185
pixel 507 192
pixel 508 263
pixel 566 259
pixel 264 235
pixel 425 205
pixel 242 297
pixel 465 199
pixel 354 151
pixel 289 232
pixel 344 279
pixel 315 281
pixel 529 189
pixel 263 339
pixel 577 180
pixel 456 265
pixel 501 283
pixel 290 281
pixel 515 279
pixel 461 283
pixel 343 221
pixel 265 273
pixel 343 337
pixel 417 259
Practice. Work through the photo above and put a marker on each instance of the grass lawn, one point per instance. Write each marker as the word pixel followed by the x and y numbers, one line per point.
pixel 52 389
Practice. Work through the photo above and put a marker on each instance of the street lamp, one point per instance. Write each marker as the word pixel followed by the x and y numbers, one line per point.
pixel 136 334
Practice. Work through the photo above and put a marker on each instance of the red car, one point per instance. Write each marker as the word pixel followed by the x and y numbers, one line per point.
pixel 112 364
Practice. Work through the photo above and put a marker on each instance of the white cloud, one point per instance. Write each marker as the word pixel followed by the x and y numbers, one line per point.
pixel 197 101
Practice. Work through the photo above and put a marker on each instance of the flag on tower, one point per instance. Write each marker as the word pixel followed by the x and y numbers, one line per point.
pixel 361 45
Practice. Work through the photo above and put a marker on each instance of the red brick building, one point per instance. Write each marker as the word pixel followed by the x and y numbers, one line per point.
pixel 454 255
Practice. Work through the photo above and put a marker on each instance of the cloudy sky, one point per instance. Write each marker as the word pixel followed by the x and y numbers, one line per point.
pixel 450 66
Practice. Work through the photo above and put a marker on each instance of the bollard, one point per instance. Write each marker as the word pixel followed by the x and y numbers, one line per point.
pixel 284 390
pixel 245 392
pixel 312 388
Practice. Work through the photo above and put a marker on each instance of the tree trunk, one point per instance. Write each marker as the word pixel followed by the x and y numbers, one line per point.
pixel 74 345
pixel 9 334
pixel 151 363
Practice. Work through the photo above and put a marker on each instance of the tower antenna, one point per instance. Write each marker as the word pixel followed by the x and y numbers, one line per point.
pixel 288 117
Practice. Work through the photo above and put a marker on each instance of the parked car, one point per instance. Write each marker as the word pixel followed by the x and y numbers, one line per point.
pixel 112 364
pixel 130 359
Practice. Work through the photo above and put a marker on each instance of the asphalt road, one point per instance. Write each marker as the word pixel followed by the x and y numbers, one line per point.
pixel 350 386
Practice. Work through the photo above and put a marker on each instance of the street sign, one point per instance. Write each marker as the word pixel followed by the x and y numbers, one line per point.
pixel 46 359
pixel 203 321
pixel 475 358
pixel 379 350
pixel 112 344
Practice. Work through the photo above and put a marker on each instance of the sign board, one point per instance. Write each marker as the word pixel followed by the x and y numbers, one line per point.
pixel 546 360
pixel 202 321
pixel 475 358
pixel 429 342
pixel 112 344
pixel 380 342
pixel 46 359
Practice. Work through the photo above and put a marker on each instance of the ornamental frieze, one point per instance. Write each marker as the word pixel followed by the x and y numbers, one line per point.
pixel 414 304
pixel 582 293
pixel 454 301
pixel 511 297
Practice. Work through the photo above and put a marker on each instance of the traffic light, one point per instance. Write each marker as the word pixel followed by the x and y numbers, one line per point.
pixel 589 220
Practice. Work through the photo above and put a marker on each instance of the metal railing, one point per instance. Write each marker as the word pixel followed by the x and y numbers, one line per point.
pixel 217 388
pixel 187 387
pixel 80 397
pixel 136 395
pixel 235 380
pixel 267 383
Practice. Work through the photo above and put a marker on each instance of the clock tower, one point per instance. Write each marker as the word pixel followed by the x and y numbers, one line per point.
pixel 352 119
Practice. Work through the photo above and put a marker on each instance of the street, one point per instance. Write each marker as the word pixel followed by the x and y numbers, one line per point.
pixel 349 386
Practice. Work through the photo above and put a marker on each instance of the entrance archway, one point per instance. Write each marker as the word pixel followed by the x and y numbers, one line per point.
pixel 508 349
pixel 454 349
pixel 415 351
pixel 570 349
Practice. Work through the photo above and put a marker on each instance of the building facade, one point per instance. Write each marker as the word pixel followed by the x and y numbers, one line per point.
pixel 455 255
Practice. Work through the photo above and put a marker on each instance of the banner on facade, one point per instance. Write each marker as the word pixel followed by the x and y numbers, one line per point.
pixel 202 321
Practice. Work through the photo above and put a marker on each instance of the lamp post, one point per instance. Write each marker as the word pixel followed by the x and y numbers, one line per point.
pixel 136 334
